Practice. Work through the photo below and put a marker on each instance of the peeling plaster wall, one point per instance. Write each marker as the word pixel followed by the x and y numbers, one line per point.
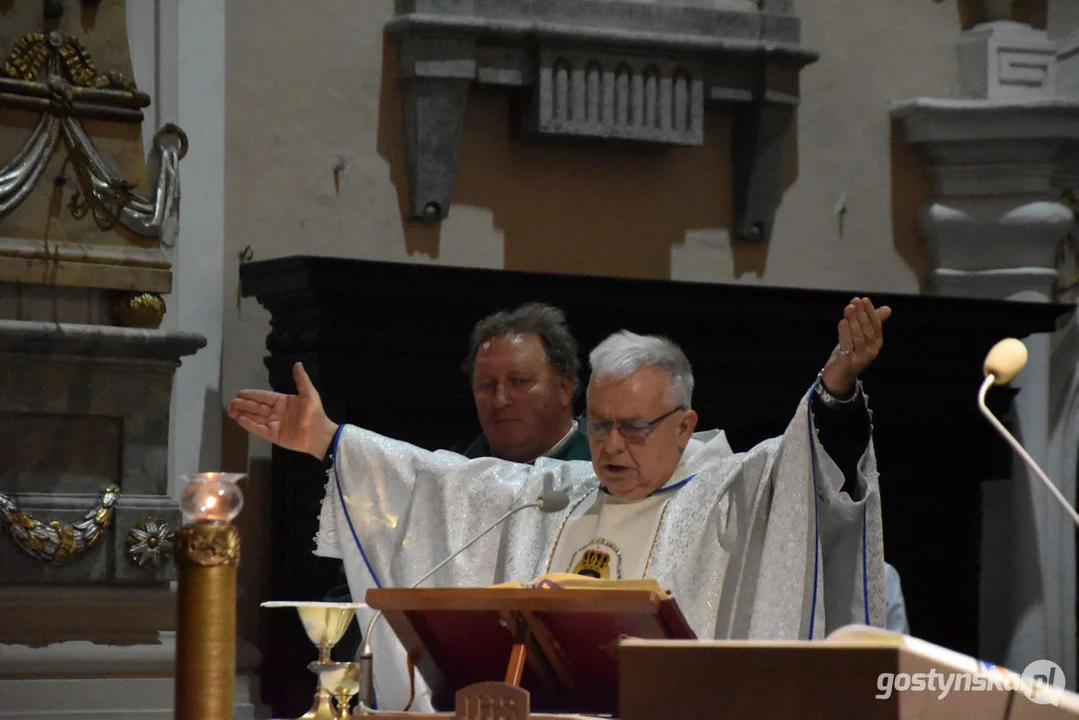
pixel 315 164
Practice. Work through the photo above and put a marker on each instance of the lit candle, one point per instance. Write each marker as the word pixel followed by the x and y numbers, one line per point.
pixel 207 555
pixel 212 497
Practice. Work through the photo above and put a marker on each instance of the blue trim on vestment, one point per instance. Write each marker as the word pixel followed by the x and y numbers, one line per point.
pixel 816 519
pixel 865 563
pixel 341 495
pixel 661 490
pixel 673 487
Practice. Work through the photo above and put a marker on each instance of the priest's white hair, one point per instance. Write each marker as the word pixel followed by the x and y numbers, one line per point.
pixel 624 352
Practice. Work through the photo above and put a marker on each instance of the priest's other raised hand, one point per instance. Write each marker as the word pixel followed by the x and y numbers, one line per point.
pixel 295 422
pixel 860 339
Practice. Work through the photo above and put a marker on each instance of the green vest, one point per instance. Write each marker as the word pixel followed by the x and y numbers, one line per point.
pixel 575 447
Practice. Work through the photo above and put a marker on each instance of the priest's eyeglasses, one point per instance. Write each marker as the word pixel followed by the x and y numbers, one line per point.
pixel 630 430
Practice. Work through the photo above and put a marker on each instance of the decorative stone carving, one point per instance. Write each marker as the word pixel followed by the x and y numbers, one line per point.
pixel 85 222
pixel 83 406
pixel 603 70
pixel 70 138
pixel 58 542
pixel 150 543
pixel 604 95
pixel 1003 160
pixel 141 310
pixel 1006 60
pixel 998 215
pixel 1067 76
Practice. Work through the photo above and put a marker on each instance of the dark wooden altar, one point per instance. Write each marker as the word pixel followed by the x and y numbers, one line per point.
pixel 383 342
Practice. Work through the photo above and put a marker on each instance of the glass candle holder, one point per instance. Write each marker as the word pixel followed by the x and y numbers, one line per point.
pixel 212 496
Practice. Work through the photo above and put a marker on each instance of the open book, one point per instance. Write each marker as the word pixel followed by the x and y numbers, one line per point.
pixel 567 581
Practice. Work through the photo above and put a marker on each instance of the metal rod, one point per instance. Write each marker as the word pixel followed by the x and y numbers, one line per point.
pixel 989 380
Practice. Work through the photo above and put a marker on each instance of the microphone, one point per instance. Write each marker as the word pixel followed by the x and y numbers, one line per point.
pixel 1003 363
pixel 549 501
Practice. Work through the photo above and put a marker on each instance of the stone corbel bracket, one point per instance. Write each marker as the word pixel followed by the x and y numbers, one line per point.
pixel 612 70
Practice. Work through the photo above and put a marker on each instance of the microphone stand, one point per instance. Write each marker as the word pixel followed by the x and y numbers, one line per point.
pixel 367 686
pixel 989 380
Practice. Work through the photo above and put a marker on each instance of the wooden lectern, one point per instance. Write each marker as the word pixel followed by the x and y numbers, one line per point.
pixel 501 653
pixel 543 650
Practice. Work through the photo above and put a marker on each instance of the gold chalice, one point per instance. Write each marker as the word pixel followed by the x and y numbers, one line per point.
pixel 342 681
pixel 325 623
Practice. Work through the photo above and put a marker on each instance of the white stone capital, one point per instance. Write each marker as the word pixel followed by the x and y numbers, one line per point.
pixel 1029 284
pixel 997 217
pixel 990 233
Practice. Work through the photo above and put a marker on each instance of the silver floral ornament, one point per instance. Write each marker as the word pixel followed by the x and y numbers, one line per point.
pixel 150 542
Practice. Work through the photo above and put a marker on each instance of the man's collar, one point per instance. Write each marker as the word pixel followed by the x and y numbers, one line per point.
pixel 480 447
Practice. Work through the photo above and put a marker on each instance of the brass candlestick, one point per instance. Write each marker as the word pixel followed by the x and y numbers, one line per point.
pixel 207 555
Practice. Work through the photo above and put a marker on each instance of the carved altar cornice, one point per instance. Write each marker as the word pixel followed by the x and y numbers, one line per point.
pixel 942 120
pixel 85 265
pixel 603 70
pixel 57 340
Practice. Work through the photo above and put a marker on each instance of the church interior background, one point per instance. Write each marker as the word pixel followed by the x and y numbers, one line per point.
pixel 149 149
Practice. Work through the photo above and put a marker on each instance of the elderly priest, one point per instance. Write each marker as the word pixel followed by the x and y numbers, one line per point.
pixel 780 542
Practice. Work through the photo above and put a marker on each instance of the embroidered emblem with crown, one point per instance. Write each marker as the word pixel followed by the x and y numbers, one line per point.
pixel 594 563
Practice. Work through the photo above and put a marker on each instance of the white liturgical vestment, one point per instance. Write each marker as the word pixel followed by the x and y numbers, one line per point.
pixel 609 538
pixel 762 544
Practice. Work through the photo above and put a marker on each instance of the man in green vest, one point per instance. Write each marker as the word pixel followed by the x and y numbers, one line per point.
pixel 523 366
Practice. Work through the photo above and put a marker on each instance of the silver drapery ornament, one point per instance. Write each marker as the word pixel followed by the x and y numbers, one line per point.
pixel 55 75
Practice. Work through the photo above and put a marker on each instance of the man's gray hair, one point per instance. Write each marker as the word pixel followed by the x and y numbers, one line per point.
pixel 547 322
pixel 624 353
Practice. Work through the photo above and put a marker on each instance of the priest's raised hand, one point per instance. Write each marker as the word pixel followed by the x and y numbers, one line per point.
pixel 861 338
pixel 295 422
